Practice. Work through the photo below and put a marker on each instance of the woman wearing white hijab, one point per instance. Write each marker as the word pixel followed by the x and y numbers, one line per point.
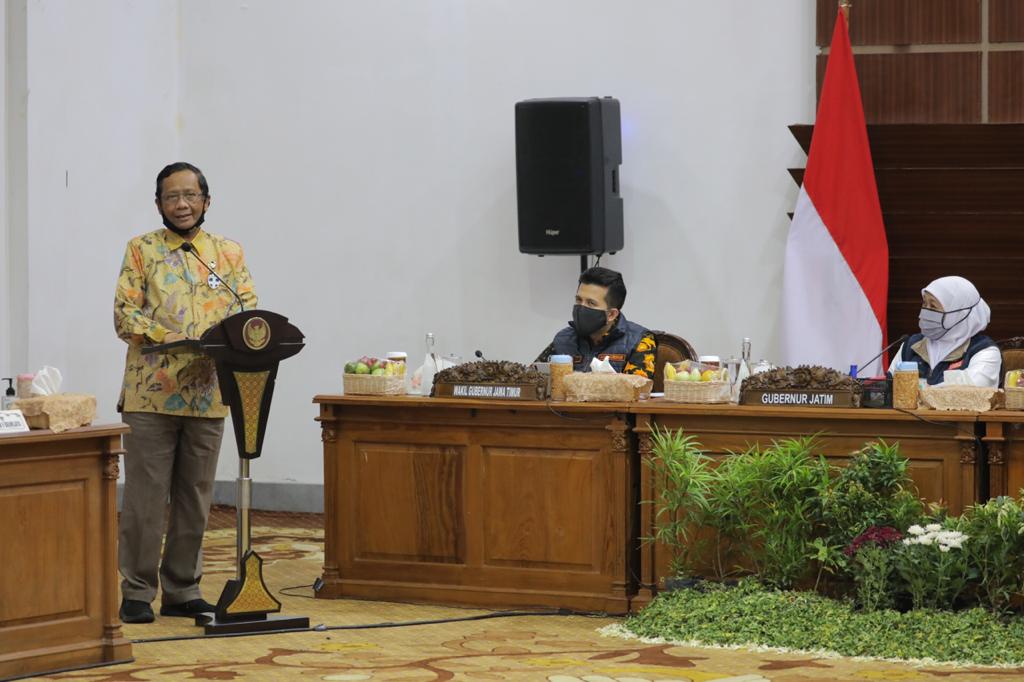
pixel 953 315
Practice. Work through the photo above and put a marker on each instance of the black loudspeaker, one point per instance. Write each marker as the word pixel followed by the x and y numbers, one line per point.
pixel 568 153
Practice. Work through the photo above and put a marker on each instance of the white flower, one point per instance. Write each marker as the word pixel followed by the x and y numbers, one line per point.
pixel 916 530
pixel 925 540
pixel 933 527
pixel 908 541
pixel 943 548
pixel 955 544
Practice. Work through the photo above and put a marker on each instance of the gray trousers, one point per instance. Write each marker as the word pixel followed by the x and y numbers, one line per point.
pixel 175 457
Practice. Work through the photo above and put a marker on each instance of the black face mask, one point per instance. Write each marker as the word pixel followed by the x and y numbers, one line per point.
pixel 588 321
pixel 177 230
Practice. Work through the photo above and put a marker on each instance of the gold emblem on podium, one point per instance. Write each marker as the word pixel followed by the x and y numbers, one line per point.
pixel 256 333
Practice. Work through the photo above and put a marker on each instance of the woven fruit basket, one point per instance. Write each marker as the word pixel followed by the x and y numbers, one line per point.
pixel 698 391
pixel 368 384
pixel 1014 391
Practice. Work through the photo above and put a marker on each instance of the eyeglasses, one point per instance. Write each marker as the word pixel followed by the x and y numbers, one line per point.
pixel 190 197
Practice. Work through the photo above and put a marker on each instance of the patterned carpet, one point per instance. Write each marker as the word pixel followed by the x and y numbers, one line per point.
pixel 543 648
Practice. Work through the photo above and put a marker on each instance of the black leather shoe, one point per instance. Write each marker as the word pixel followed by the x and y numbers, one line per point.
pixel 135 611
pixel 188 609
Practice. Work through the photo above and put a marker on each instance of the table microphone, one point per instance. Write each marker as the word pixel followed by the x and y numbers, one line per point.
pixel 187 248
pixel 894 343
pixel 480 355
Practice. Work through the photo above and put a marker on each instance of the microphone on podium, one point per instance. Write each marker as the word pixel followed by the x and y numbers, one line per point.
pixel 894 343
pixel 480 355
pixel 187 248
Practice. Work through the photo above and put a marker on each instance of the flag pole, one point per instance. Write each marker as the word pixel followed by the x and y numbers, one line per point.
pixel 844 7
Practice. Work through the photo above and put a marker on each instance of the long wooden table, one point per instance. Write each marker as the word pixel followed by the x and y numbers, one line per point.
pixel 58 550
pixel 477 502
pixel 522 503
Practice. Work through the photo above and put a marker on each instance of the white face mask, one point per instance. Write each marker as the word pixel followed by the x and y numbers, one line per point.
pixel 934 323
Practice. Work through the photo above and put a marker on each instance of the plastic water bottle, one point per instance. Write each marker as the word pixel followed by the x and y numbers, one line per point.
pixel 429 367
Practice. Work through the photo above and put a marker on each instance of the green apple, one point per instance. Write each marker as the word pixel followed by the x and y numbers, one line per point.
pixel 362 368
pixel 350 367
pixel 378 371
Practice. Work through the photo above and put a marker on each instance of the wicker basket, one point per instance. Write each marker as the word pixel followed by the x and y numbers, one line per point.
pixel 1014 398
pixel 583 387
pixel 58 412
pixel 965 398
pixel 698 391
pixel 367 384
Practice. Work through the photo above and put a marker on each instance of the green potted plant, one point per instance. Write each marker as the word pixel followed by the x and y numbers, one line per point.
pixel 683 478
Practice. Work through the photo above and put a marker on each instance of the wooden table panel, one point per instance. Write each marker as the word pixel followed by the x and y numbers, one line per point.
pixel 477 502
pixel 1004 445
pixel 58 538
pixel 494 503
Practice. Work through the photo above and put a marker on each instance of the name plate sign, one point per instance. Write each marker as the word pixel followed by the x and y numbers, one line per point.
pixel 799 398
pixel 489 391
pixel 12 421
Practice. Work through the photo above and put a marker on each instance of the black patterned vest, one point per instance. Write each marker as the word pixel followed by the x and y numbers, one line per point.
pixel 934 375
pixel 617 345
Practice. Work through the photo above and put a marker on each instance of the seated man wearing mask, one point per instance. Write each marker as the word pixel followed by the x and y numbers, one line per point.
pixel 598 329
pixel 952 318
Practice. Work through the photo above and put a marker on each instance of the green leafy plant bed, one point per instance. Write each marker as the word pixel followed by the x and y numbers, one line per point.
pixel 756 616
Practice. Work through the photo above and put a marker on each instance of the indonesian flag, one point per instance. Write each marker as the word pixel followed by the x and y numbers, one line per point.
pixel 836 280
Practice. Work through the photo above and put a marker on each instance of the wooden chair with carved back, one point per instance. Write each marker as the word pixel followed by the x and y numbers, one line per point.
pixel 671 348
pixel 1013 353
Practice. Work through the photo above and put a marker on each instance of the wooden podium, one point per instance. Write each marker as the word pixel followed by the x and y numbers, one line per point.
pixel 246 349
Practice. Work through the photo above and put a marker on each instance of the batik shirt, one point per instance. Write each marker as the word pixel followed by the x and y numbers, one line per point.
pixel 163 289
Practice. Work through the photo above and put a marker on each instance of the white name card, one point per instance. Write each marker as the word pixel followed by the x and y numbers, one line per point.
pixel 12 421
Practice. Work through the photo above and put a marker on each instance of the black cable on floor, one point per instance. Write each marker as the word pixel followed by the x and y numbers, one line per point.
pixel 388 624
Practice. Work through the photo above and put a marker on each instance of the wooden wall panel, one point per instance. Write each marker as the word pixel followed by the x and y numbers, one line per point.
pixel 942 87
pixel 937 146
pixel 948 212
pixel 904 22
pixel 946 190
pixel 1006 87
pixel 1006 21
pixel 991 235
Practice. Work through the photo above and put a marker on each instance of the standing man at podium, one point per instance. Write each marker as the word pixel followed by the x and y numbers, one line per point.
pixel 167 292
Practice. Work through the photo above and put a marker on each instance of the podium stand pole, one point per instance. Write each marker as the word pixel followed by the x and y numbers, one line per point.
pixel 246 348
pixel 243 503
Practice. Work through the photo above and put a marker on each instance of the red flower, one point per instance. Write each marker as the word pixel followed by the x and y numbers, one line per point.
pixel 879 536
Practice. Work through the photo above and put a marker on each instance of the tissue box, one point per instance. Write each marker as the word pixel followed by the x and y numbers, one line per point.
pixel 600 387
pixel 58 412
pixel 966 398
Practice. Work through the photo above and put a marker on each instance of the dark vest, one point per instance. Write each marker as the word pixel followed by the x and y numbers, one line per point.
pixel 934 375
pixel 617 345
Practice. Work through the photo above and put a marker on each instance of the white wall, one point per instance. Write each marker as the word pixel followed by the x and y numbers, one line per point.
pixel 363 153
pixel 102 116
pixel 5 284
